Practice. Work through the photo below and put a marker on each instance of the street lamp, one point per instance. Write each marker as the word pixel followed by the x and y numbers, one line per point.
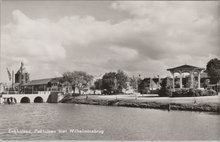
pixel 116 87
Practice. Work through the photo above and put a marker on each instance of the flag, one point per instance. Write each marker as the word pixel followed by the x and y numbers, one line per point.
pixel 22 67
pixel 9 74
pixel 22 64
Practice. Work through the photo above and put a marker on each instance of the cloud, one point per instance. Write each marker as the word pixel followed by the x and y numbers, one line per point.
pixel 123 52
pixel 158 35
pixel 184 26
pixel 30 38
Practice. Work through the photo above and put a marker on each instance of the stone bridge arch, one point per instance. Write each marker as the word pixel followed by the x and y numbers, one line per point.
pixel 25 100
pixel 38 99
pixel 32 98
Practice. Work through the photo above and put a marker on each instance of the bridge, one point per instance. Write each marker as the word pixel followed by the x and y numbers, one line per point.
pixel 41 97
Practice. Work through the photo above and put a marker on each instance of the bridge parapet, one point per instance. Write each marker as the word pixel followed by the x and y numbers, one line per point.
pixel 29 98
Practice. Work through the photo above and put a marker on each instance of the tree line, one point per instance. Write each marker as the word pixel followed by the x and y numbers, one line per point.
pixel 115 82
pixel 110 83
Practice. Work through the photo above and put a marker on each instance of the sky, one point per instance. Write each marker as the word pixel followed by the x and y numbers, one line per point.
pixel 139 37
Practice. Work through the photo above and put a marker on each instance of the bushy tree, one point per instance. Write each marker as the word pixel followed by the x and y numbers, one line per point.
pixel 109 82
pixel 144 85
pixel 206 83
pixel 122 80
pixel 213 70
pixel 98 84
pixel 134 82
pixel 165 88
pixel 78 79
pixel 114 82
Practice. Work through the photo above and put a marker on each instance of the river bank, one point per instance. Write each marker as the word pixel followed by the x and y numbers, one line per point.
pixel 206 104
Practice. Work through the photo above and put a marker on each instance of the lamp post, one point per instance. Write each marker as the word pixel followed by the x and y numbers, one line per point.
pixel 136 89
pixel 116 86
pixel 137 80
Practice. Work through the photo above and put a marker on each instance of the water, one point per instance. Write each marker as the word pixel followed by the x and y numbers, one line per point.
pixel 104 123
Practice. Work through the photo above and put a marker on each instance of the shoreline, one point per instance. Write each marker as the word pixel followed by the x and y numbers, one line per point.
pixel 165 104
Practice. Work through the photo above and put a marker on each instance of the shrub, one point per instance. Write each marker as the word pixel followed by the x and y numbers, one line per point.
pixel 183 93
pixel 208 92
pixel 154 91
pixel 212 92
pixel 193 93
pixel 164 92
pixel 198 92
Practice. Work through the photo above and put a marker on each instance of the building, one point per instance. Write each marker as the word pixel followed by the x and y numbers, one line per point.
pixel 47 84
pixel 23 84
pixel 22 76
pixel 149 84
pixel 194 73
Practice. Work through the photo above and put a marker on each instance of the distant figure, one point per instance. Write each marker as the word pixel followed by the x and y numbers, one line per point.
pixel 5 100
pixel 168 108
pixel 15 101
pixel 8 101
pixel 194 100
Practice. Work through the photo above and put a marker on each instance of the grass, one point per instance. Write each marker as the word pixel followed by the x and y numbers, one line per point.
pixel 207 103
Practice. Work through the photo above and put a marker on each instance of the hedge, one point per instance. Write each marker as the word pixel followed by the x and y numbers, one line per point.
pixel 185 92
pixel 164 92
pixel 193 93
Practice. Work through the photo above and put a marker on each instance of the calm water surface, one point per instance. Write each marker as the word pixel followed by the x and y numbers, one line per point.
pixel 87 122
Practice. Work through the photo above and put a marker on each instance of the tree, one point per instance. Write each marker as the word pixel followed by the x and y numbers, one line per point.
pixel 122 80
pixel 206 83
pixel 144 86
pixel 165 88
pixel 114 82
pixel 78 79
pixel 68 77
pixel 213 70
pixel 134 82
pixel 109 82
pixel 97 85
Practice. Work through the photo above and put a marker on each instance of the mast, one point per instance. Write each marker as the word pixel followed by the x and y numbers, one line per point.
pixel 12 81
pixel 20 76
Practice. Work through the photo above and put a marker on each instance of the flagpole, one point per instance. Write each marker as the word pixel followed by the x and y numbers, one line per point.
pixel 9 77
pixel 12 80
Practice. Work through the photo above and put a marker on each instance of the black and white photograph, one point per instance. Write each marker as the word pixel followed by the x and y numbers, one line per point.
pixel 108 70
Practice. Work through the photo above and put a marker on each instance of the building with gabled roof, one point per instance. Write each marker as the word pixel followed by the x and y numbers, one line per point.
pixel 38 82
pixel 47 84
pixel 186 69
pixel 22 76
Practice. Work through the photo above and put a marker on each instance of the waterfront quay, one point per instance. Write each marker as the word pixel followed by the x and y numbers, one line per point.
pixel 205 103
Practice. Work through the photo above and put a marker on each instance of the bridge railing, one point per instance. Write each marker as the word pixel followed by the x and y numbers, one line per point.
pixel 44 92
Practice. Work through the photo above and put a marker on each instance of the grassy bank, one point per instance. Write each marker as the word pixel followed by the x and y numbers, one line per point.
pixel 189 104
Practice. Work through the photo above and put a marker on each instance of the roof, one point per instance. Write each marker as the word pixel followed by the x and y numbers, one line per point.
pixel 56 79
pixel 44 81
pixel 38 82
pixel 185 67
